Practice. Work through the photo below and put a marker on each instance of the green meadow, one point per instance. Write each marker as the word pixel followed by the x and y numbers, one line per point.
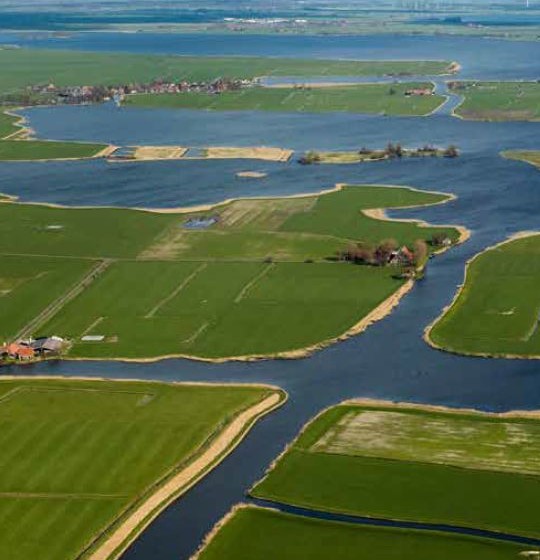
pixel 366 98
pixel 7 125
pixel 497 310
pixel 20 68
pixel 77 454
pixel 499 101
pixel 461 469
pixel 255 534
pixel 280 286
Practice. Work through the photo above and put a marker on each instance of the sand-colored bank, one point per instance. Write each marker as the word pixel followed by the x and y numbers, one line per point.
pixel 159 152
pixel 256 152
pixel 428 330
pixel 116 542
pixel 528 156
pixel 251 175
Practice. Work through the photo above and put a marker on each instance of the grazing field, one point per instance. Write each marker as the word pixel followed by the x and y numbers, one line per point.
pixel 28 150
pixel 366 98
pixel 497 311
pixel 28 284
pixel 414 464
pixel 529 156
pixel 77 454
pixel 7 124
pixel 256 533
pixel 23 67
pixel 499 101
pixel 281 287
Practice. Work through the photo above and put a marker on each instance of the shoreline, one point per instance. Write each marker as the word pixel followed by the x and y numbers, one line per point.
pixel 378 313
pixel 121 537
pixel 447 308
pixel 509 155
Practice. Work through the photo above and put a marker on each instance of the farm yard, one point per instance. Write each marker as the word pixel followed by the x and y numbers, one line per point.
pixel 498 101
pixel 254 533
pixel 497 311
pixel 138 284
pixel 52 487
pixel 414 464
pixel 390 99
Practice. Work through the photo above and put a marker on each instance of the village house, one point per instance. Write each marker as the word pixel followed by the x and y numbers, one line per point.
pixel 419 91
pixel 17 351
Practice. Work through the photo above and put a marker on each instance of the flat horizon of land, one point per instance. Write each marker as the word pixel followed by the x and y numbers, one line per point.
pixel 144 282
pixel 387 99
pixel 495 312
pixel 412 463
pixel 79 457
pixel 498 101
pixel 70 68
pixel 255 533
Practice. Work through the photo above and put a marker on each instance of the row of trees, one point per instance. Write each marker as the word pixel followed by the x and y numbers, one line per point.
pixel 386 252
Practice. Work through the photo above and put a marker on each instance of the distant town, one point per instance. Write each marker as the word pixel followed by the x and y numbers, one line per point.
pixel 52 94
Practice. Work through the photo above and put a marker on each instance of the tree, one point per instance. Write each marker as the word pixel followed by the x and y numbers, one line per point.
pixel 420 252
pixel 384 251
pixel 438 239
pixel 310 157
pixel 451 151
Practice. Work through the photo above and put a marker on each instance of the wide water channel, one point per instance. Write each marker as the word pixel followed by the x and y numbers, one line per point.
pixel 497 197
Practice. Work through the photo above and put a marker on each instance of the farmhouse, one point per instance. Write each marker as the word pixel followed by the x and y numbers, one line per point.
pixel 419 91
pixel 47 345
pixel 17 351
pixel 403 256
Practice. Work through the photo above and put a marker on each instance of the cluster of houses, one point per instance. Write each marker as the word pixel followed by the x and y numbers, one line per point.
pixel 76 95
pixel 31 349
pixel 419 91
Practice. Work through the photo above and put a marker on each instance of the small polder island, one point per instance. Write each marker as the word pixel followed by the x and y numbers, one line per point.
pixel 250 256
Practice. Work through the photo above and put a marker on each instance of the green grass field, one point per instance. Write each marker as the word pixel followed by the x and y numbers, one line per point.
pixel 23 67
pixel 529 156
pixel 7 125
pixel 500 101
pixel 76 454
pixel 28 150
pixel 410 464
pixel 497 311
pixel 279 287
pixel 365 98
pixel 257 533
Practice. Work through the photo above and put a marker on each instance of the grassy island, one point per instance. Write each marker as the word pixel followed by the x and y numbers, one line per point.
pixel 496 311
pixel 365 98
pixel 529 156
pixel 253 533
pixel 137 284
pixel 83 462
pixel 498 101
pixel 415 463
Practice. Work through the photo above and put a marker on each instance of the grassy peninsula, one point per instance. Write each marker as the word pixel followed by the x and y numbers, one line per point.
pixel 498 101
pixel 413 463
pixel 20 68
pixel 144 282
pixel 496 312
pixel 80 457
pixel 365 98
pixel 16 146
pixel 529 156
pixel 254 533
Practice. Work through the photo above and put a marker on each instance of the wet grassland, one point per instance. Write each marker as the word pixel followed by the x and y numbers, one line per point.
pixel 365 98
pixel 259 278
pixel 77 456
pixel 496 312
pixel 405 463
pixel 498 101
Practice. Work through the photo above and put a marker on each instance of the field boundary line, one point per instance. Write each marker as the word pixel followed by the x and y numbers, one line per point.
pixel 65 298
pixel 176 291
pixel 252 283
pixel 60 496
pixel 91 326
